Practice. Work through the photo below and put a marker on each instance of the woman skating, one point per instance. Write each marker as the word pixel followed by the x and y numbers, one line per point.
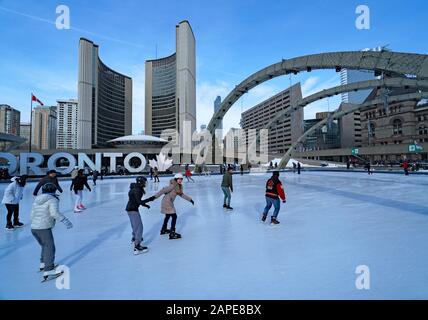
pixel 188 174
pixel 12 196
pixel 170 192
pixel 77 185
pixel 44 214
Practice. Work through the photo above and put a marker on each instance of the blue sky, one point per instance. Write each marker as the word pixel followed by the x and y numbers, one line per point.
pixel 234 39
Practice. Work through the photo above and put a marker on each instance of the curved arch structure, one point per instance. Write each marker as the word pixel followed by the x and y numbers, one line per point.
pixel 339 114
pixel 382 61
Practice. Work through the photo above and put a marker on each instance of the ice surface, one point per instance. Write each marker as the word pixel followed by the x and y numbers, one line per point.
pixel 332 222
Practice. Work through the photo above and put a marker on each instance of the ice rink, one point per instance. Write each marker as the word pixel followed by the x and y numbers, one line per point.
pixel 332 223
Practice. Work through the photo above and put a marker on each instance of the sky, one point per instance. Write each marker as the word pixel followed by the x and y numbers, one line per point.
pixel 234 39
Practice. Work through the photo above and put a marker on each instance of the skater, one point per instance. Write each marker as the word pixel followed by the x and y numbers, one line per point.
pixel 174 189
pixel 135 194
pixel 49 178
pixel 348 164
pixel 151 173
pixel 95 177
pixel 227 187
pixel 299 167
pixel 294 167
pixel 406 167
pixel 44 214
pixel 188 174
pixel 242 169
pixel 274 192
pixel 156 174
pixel 12 196
pixel 77 185
pixel 368 167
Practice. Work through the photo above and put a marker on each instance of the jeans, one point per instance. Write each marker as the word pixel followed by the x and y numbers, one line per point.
pixel 45 238
pixel 276 204
pixel 227 195
pixel 12 209
pixel 79 197
pixel 137 226
pixel 173 222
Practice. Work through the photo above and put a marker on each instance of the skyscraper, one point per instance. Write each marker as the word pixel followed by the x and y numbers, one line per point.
pixel 105 100
pixel 44 127
pixel 66 136
pixel 217 104
pixel 170 87
pixel 9 120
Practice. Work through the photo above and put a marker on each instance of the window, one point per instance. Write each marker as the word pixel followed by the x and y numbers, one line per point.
pixel 371 128
pixel 397 126
pixel 423 130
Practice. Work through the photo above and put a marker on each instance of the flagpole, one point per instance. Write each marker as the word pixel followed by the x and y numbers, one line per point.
pixel 31 123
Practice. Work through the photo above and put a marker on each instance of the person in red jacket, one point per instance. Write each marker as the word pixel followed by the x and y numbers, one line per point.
pixel 406 167
pixel 274 192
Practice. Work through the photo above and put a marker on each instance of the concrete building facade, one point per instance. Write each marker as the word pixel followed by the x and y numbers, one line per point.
pixel 44 127
pixel 67 113
pixel 104 99
pixel 9 120
pixel 286 131
pixel 170 87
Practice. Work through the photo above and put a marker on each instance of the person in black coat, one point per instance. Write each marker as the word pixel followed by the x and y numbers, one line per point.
pixel 49 178
pixel 77 185
pixel 135 194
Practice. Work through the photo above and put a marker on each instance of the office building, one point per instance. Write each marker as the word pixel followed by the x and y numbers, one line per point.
pixel 9 120
pixel 67 113
pixel 44 127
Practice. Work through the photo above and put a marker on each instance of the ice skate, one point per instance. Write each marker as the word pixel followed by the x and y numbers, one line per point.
pixel 225 206
pixel 173 235
pixel 9 227
pixel 77 210
pixel 165 231
pixel 42 266
pixel 140 249
pixel 52 274
pixel 264 217
pixel 82 207
pixel 18 224
pixel 274 222
pixel 229 208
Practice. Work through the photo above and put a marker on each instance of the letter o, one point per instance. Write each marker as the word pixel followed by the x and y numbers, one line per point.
pixel 13 162
pixel 134 155
pixel 53 159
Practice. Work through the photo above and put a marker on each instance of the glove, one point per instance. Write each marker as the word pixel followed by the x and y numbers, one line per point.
pixel 231 189
pixel 146 205
pixel 192 202
pixel 90 190
pixel 152 198
pixel 67 223
pixel 284 201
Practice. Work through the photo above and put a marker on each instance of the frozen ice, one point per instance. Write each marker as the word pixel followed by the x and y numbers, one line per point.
pixel 332 223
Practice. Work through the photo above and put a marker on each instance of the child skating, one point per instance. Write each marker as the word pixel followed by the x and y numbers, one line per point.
pixel 274 192
pixel 135 194
pixel 44 214
pixel 170 192
pixel 11 198
pixel 188 174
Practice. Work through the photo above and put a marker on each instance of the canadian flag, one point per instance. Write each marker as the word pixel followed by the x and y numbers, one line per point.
pixel 34 98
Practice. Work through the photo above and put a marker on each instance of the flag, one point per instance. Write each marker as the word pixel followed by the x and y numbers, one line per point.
pixel 34 98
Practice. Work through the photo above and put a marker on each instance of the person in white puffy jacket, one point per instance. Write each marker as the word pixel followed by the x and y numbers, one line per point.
pixel 11 197
pixel 44 214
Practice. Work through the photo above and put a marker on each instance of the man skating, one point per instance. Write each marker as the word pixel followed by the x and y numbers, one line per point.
pixel 49 178
pixel 135 195
pixel 274 192
pixel 227 187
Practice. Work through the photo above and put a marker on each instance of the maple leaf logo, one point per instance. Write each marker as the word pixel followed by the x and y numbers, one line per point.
pixel 161 162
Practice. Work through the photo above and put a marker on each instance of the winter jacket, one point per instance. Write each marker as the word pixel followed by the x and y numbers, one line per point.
pixel 44 181
pixel 274 189
pixel 13 192
pixel 74 173
pixel 135 194
pixel 171 192
pixel 188 173
pixel 79 183
pixel 227 181
pixel 45 212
